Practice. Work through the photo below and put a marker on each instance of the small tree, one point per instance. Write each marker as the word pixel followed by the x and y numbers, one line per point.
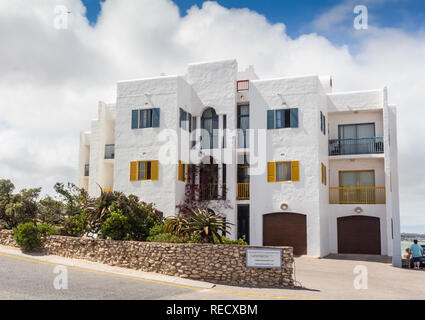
pixel 51 211
pixel 117 226
pixel 27 236
pixel 21 207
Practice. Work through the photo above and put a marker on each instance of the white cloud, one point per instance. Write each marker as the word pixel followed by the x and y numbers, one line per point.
pixel 51 80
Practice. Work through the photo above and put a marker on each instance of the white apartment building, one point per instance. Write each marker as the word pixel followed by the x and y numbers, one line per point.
pixel 286 160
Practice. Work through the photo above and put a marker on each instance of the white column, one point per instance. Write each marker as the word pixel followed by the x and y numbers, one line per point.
pixel 219 155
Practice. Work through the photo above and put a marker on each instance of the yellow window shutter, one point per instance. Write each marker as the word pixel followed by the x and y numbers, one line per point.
pixel 180 171
pixel 326 176
pixel 295 167
pixel 155 170
pixel 271 172
pixel 133 171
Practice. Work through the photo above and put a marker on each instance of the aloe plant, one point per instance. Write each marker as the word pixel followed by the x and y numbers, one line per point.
pixel 200 222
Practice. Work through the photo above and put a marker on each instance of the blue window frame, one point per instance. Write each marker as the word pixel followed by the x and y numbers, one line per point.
pixel 209 123
pixel 322 123
pixel 281 119
pixel 243 124
pixel 145 118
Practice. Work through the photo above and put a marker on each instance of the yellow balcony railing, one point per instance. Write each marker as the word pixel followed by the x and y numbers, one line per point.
pixel 243 191
pixel 359 195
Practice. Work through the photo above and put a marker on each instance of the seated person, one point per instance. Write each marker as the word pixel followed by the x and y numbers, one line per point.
pixel 406 256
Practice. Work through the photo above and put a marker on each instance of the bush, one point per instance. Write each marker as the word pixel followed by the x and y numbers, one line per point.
pixel 117 226
pixel 47 230
pixel 51 211
pixel 27 236
pixel 158 228
pixel 225 240
pixel 75 226
pixel 171 238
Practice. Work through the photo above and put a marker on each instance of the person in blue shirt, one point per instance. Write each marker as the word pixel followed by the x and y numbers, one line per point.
pixel 417 253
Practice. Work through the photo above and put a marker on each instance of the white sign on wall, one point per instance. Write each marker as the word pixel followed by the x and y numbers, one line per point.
pixel 264 258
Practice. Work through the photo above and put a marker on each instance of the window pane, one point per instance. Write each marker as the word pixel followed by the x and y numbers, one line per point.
pixel 244 123
pixel 366 179
pixel 349 179
pixel 244 110
pixel 288 176
pixel 279 172
pixel 146 118
pixel 148 170
pixel 287 118
pixel 347 132
pixel 142 170
pixel 366 130
pixel 279 119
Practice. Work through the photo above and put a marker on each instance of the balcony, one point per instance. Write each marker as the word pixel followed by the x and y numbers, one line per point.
pixel 339 147
pixel 359 195
pixel 243 191
pixel 242 85
pixel 109 151
pixel 209 192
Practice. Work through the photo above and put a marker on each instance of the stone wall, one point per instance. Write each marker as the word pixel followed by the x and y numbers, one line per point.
pixel 221 264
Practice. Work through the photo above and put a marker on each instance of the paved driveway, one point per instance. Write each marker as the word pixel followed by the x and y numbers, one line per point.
pixel 336 278
pixel 32 277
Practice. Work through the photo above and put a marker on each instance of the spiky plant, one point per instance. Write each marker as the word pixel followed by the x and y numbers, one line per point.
pixel 178 226
pixel 207 225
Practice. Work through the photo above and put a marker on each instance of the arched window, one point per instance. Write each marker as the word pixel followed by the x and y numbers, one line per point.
pixel 209 123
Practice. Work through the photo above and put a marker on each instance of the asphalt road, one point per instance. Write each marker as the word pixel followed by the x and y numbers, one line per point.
pixel 32 277
pixel 24 279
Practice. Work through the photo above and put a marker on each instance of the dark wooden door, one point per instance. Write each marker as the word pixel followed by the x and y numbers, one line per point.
pixel 243 222
pixel 286 229
pixel 359 235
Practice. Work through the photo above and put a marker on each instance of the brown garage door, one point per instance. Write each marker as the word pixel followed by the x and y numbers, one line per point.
pixel 286 229
pixel 359 234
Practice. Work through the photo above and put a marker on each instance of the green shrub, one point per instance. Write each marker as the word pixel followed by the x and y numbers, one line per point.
pixel 168 238
pixel 47 230
pixel 75 226
pixel 158 228
pixel 171 238
pixel 117 226
pixel 225 240
pixel 27 236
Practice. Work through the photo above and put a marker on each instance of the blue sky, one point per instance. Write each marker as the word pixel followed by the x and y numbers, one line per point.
pixel 408 15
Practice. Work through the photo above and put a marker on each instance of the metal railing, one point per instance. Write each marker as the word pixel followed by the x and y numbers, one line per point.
pixel 339 147
pixel 110 151
pixel 209 192
pixel 360 195
pixel 243 191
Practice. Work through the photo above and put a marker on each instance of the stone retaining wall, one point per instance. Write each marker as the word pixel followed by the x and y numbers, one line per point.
pixel 222 264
